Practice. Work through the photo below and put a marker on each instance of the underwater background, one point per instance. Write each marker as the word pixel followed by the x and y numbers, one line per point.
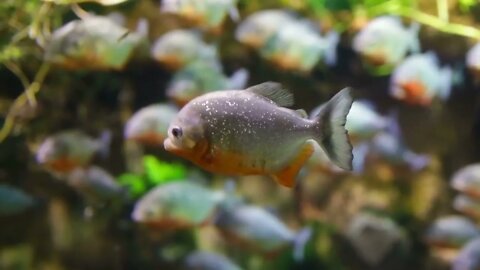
pixel 89 87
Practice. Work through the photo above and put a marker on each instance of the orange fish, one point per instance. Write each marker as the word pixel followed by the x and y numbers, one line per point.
pixel 249 132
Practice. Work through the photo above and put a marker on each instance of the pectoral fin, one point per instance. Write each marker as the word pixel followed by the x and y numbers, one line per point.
pixel 286 176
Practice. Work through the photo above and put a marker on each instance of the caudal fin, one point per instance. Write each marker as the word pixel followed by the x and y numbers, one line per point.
pixel 300 242
pixel 103 143
pixel 239 79
pixel 331 134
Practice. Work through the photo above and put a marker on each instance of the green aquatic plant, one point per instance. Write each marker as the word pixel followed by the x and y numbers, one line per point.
pixel 404 8
pixel 156 172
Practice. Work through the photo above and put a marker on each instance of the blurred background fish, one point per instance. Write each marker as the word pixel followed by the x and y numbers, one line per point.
pixel 149 125
pixel 95 42
pixel 199 78
pixel 419 80
pixel 384 41
pixel 178 48
pixel 256 29
pixel 64 151
pixel 208 13
pixel 202 260
pixel 14 201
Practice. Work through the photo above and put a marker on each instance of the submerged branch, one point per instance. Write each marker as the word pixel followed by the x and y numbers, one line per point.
pixel 15 69
pixel 31 90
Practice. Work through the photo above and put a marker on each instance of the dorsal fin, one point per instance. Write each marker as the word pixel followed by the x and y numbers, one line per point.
pixel 273 91
pixel 302 113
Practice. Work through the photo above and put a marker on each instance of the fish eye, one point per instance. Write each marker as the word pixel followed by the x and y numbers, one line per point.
pixel 177 132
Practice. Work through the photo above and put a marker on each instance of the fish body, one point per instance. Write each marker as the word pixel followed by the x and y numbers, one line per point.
pixel 150 124
pixel 418 80
pixel 451 231
pixel 259 230
pixel 203 260
pixel 13 201
pixel 299 46
pixel 94 42
pixel 95 184
pixel 467 205
pixel 207 13
pixel 467 180
pixel 177 48
pixel 201 77
pixel 469 256
pixel 65 151
pixel 247 132
pixel 259 27
pixel 384 41
pixel 176 205
pixel 373 237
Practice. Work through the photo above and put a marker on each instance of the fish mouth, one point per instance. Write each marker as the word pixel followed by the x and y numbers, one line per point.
pixel 169 145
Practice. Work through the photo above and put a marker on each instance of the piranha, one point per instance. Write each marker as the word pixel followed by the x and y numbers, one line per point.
pixel 93 42
pixel 150 124
pixel 298 46
pixel 13 200
pixel 204 260
pixel 249 132
pixel 65 151
pixel 418 80
pixel 177 48
pixel 451 231
pixel 208 13
pixel 96 185
pixel 467 180
pixel 177 205
pixel 373 237
pixel 259 230
pixel 385 41
pixel 259 27
pixel 469 256
pixel 201 77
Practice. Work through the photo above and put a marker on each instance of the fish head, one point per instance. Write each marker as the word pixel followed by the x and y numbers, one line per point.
pixel 186 134
pixel 52 149
pixel 182 91
pixel 146 128
pixel 148 212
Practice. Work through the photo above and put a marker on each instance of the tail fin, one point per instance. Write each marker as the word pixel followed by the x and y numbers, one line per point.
pixel 301 240
pixel 417 162
pixel 331 133
pixel 445 83
pixel 239 79
pixel 332 40
pixel 103 143
pixel 143 26
pixel 360 153
pixel 234 14
pixel 414 43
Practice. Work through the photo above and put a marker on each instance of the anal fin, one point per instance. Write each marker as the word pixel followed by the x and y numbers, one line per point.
pixel 286 176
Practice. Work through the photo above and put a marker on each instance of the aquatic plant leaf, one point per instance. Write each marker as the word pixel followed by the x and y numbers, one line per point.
pixel 466 5
pixel 159 172
pixel 135 183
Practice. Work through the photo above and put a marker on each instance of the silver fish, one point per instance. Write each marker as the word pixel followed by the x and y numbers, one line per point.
pixel 249 132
